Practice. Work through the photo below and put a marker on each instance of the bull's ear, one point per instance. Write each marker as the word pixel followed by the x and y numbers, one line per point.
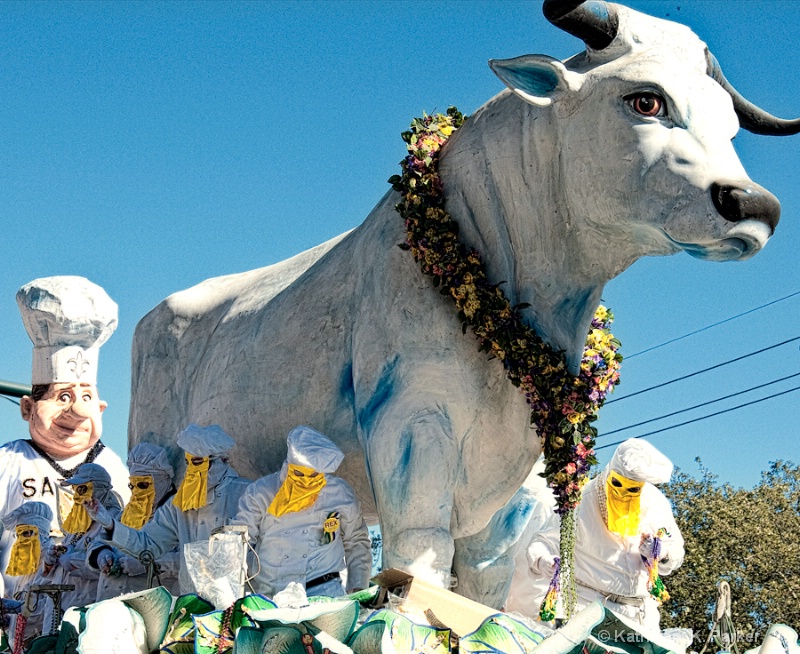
pixel 536 78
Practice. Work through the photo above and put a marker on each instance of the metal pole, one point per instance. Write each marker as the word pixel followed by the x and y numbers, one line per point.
pixel 14 389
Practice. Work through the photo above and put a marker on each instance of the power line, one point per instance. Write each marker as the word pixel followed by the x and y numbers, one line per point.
pixel 716 324
pixel 10 400
pixel 698 406
pixel 710 415
pixel 699 372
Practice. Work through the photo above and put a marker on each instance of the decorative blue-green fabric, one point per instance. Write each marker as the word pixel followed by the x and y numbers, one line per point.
pixel 500 634
pixel 596 630
pixel 337 618
pixel 405 635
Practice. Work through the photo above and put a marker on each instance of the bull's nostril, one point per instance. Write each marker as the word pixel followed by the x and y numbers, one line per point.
pixel 752 202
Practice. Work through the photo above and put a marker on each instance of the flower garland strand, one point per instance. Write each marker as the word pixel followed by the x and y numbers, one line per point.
pixel 563 406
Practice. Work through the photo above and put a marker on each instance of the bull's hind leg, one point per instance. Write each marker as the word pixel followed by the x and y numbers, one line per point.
pixel 412 463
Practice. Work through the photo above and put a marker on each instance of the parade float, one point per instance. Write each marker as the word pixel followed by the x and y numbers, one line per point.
pixel 416 359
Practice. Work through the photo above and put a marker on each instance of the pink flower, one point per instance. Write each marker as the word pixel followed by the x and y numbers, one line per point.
pixel 570 468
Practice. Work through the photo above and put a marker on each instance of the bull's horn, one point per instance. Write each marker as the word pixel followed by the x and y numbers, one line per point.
pixel 594 22
pixel 752 118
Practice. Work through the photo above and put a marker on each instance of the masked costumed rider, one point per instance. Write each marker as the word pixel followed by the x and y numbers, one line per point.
pixel 66 563
pixel 30 525
pixel 625 527
pixel 208 498
pixel 151 486
pixel 68 319
pixel 305 524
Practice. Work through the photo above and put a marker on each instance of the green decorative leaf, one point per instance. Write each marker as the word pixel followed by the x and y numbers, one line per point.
pixel 407 636
pixel 500 634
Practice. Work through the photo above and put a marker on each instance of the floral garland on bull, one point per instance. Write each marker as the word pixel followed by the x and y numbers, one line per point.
pixel 563 406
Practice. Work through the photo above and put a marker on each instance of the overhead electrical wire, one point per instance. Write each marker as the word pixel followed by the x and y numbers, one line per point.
pixel 706 417
pixel 699 372
pixel 698 406
pixel 716 324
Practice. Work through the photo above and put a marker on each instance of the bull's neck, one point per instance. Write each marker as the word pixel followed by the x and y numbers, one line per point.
pixel 501 174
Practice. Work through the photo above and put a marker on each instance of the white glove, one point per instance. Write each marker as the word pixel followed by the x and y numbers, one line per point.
pixel 546 565
pixel 99 513
pixel 51 554
pixel 646 546
pixel 131 566
pixel 106 560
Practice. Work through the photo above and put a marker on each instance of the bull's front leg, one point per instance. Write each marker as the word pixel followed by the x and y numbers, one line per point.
pixel 484 562
pixel 412 461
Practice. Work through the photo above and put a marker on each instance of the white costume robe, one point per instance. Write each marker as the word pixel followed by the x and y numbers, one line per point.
pixel 293 548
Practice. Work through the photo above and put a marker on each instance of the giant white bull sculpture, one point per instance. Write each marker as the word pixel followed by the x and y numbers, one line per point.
pixel 560 183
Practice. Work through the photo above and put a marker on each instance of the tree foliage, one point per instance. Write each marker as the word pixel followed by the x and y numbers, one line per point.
pixel 749 538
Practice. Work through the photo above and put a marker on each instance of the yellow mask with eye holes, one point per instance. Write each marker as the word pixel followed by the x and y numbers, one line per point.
pixel 194 487
pixel 24 552
pixel 78 520
pixel 622 504
pixel 140 508
pixel 298 491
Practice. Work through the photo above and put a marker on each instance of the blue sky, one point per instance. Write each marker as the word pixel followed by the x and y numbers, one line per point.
pixel 151 145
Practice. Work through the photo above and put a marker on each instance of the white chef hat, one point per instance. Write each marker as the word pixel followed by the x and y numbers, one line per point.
pixel 90 472
pixel 205 441
pixel 149 459
pixel 309 448
pixel 37 514
pixel 638 460
pixel 68 318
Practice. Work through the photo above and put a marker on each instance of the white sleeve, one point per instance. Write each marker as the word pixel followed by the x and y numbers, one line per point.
pixel 544 544
pixel 252 505
pixel 357 543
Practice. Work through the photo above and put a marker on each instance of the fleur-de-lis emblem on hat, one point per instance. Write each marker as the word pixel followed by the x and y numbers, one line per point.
pixel 78 365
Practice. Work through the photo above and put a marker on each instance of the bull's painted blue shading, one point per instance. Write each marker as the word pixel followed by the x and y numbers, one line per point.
pixel 383 392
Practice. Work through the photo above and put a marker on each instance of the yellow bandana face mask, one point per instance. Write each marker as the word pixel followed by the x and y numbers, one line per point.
pixel 140 508
pixel 298 491
pixel 622 503
pixel 194 487
pixel 25 552
pixel 78 520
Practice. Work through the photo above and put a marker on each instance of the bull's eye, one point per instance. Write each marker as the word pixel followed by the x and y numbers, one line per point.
pixel 647 104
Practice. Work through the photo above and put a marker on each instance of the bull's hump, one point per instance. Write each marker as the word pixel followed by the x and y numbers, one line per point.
pixel 247 291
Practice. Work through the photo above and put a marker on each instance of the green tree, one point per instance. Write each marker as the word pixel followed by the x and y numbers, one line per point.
pixel 749 538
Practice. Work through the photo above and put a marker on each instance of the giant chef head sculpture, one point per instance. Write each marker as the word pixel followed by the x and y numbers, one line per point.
pixel 68 319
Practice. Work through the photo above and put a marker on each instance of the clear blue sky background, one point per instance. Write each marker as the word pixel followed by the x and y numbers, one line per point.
pixel 151 145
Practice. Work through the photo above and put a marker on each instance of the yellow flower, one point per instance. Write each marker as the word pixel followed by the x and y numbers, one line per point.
pixel 471 307
pixel 447 130
pixel 575 418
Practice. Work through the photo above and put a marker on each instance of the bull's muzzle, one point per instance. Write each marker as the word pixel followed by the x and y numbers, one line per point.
pixel 749 202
